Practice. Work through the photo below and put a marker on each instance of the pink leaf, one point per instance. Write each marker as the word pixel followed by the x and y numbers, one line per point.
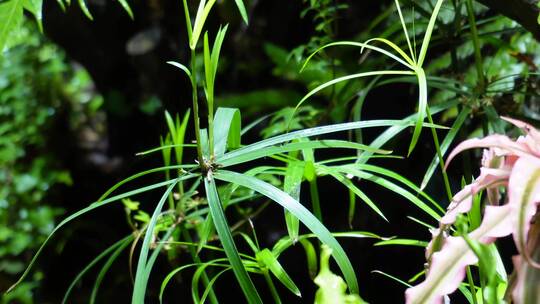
pixel 523 197
pixel 462 201
pixel 502 142
pixel 448 265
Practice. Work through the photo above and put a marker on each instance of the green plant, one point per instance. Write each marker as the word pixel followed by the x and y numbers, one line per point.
pixel 187 219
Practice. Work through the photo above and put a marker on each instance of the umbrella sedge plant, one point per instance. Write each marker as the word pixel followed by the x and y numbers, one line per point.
pixel 184 220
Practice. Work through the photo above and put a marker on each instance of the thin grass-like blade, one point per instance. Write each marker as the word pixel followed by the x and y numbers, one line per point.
pixel 296 146
pixel 106 267
pixel 88 209
pixel 142 274
pixel 96 260
pixel 242 10
pixel 445 145
pixel 267 258
pixel 392 187
pixel 306 217
pixel 224 232
pixel 126 7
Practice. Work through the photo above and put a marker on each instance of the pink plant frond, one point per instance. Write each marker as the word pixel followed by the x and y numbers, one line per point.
pixel 462 201
pixel 524 197
pixel 448 265
pixel 501 144
pixel 527 280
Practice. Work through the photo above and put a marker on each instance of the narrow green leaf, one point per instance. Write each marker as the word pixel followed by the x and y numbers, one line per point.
pixel 360 45
pixel 267 259
pixel 393 46
pixel 344 78
pixel 85 10
pixel 106 267
pixel 242 10
pixel 224 232
pixel 314 132
pixel 429 31
pixel 422 105
pixel 396 129
pixel 200 19
pixel 96 260
pixel 88 209
pixel 392 187
pixel 142 273
pixel 306 217
pixel 311 257
pixel 127 8
pixel 181 67
pixel 402 242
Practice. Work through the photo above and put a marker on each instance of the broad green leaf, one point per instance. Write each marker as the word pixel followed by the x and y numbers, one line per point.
pixel 35 7
pixel 11 14
pixel 306 217
pixel 226 160
pixel 291 185
pixel 224 232
pixel 332 287
pixel 227 127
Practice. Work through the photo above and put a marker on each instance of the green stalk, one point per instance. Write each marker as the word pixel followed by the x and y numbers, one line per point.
pixel 196 109
pixel 273 290
pixel 476 43
pixel 439 155
pixel 471 285
pixel 196 259
pixel 211 124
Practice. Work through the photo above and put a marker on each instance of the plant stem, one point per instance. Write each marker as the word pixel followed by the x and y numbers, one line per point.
pixel 439 155
pixel 196 109
pixel 211 125
pixel 273 290
pixel 196 259
pixel 471 285
pixel 476 43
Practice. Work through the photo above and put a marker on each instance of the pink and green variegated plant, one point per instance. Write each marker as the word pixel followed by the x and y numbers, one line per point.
pixel 506 163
